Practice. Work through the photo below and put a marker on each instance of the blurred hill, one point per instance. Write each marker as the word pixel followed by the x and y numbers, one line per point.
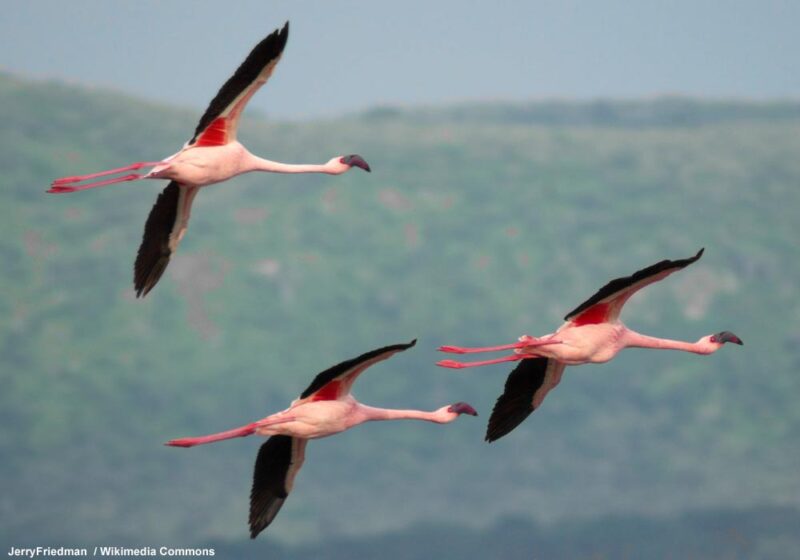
pixel 478 224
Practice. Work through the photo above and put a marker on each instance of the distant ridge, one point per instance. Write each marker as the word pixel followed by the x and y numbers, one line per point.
pixel 659 111
pixel 663 111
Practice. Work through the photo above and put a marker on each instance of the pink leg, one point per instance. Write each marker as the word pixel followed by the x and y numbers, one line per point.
pixel 462 350
pixel 62 188
pixel 460 365
pixel 191 442
pixel 525 341
pixel 131 167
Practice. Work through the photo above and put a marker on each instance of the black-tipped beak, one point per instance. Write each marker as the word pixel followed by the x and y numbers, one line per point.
pixel 463 408
pixel 355 160
pixel 728 336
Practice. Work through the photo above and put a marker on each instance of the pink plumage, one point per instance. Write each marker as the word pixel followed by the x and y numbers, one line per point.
pixel 592 333
pixel 212 155
pixel 325 408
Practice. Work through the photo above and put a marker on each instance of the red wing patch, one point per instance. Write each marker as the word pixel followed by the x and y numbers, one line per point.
pixel 594 315
pixel 330 392
pixel 215 134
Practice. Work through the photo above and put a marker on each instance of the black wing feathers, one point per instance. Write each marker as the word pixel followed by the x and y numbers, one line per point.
pixel 248 71
pixel 154 252
pixel 619 284
pixel 516 402
pixel 332 373
pixel 269 482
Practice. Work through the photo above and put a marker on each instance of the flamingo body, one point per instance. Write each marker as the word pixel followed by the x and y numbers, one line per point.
pixel 592 333
pixel 211 156
pixel 325 408
pixel 199 166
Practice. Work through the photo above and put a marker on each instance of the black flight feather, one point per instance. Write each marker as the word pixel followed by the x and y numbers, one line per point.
pixel 516 402
pixel 269 482
pixel 332 373
pixel 261 55
pixel 620 284
pixel 154 252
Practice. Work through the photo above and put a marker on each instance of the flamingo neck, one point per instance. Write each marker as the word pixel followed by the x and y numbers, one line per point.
pixel 374 414
pixel 261 164
pixel 636 340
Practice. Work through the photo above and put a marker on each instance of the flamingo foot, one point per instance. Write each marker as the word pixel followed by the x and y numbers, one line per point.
pixel 192 441
pixel 452 364
pixel 461 365
pixel 183 442
pixel 66 188
pixel 131 167
pixel 67 184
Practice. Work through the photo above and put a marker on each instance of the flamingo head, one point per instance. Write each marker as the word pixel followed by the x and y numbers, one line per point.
pixel 353 160
pixel 461 408
pixel 725 336
pixel 714 342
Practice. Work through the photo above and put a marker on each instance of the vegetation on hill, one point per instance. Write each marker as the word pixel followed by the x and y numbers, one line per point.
pixel 476 226
pixel 758 534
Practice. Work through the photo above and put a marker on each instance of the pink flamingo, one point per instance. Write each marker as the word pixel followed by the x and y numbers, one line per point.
pixel 592 333
pixel 212 155
pixel 325 408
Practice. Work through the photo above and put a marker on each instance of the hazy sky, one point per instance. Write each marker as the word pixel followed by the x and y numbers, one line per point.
pixel 348 55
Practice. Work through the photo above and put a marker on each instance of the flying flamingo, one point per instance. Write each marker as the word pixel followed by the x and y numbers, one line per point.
pixel 325 408
pixel 592 333
pixel 211 156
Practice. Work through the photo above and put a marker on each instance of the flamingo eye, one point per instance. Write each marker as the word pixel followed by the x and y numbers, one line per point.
pixel 714 338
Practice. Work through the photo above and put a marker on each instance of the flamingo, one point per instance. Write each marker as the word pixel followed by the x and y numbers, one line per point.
pixel 592 333
pixel 212 155
pixel 325 408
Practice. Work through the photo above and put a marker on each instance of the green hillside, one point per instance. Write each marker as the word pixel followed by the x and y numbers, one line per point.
pixel 469 231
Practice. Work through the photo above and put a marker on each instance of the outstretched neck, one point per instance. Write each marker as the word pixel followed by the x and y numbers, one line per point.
pixel 636 340
pixel 260 164
pixel 373 414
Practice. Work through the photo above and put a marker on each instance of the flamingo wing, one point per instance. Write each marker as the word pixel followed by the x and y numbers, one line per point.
pixel 278 462
pixel 335 382
pixel 606 305
pixel 163 230
pixel 218 124
pixel 525 389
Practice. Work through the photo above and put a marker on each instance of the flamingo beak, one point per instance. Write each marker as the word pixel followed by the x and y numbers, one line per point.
pixel 462 408
pixel 355 160
pixel 728 336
